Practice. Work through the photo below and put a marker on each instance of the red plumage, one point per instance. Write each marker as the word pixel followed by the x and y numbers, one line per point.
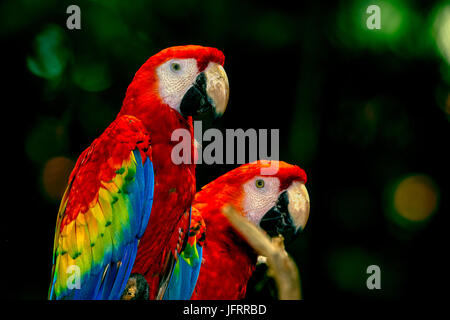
pixel 147 123
pixel 175 184
pixel 100 161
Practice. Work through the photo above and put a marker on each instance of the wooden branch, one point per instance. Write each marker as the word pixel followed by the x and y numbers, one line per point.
pixel 281 265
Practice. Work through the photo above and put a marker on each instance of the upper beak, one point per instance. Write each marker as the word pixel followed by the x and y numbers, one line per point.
pixel 290 214
pixel 217 87
pixel 210 91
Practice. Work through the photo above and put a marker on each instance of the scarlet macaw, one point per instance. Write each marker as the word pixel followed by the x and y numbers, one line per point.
pixel 217 262
pixel 125 189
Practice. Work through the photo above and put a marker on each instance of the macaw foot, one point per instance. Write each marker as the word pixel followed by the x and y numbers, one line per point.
pixel 136 288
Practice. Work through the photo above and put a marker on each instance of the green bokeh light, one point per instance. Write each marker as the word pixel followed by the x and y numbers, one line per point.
pixel 443 99
pixel 92 76
pixel 348 270
pixel 273 29
pixel 50 53
pixel 112 34
pixel 441 31
pixel 348 267
pixel 46 140
pixel 18 15
pixel 399 24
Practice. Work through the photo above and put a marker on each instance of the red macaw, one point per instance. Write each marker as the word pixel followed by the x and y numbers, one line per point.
pixel 126 189
pixel 217 262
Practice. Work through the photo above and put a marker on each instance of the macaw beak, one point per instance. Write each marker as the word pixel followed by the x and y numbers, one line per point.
pixel 210 91
pixel 290 213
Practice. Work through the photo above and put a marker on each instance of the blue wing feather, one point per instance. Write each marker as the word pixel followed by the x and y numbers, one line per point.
pixel 185 273
pixel 184 278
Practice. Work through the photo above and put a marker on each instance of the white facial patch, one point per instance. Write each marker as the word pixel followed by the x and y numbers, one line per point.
pixel 259 200
pixel 176 76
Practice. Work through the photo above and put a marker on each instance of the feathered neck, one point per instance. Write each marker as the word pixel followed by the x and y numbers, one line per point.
pixel 225 253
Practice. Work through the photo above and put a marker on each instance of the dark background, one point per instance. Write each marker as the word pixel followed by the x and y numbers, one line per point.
pixel 364 112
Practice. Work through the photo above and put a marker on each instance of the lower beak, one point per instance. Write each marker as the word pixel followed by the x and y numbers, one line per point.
pixel 210 91
pixel 290 214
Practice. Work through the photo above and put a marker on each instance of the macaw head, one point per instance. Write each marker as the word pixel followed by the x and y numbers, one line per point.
pixel 277 203
pixel 187 79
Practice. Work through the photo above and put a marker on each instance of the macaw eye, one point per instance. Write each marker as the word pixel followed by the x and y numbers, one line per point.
pixel 175 67
pixel 259 183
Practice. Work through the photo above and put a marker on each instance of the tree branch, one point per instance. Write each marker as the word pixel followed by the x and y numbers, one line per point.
pixel 280 264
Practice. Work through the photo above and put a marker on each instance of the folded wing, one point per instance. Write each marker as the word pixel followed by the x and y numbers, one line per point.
pixel 103 214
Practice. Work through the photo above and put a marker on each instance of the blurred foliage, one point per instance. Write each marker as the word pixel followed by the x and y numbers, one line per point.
pixel 398 23
pixel 47 139
pixel 362 111
pixel 51 54
pixel 441 29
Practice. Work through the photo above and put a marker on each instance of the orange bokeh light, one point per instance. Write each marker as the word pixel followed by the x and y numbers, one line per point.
pixel 55 175
pixel 416 198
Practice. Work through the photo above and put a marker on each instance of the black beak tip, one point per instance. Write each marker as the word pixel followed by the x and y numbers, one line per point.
pixel 196 101
pixel 277 221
